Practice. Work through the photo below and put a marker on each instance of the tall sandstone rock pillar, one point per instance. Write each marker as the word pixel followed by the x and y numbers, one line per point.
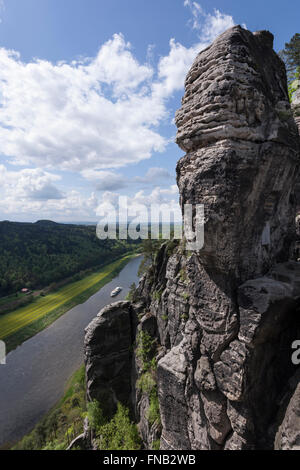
pixel 229 369
pixel 242 146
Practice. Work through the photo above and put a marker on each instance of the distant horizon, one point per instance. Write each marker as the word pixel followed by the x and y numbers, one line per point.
pixel 80 222
pixel 75 222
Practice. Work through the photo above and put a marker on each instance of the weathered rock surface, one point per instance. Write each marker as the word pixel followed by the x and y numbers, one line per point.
pixel 296 112
pixel 296 106
pixel 223 319
pixel 288 435
pixel 108 355
pixel 242 163
pixel 237 126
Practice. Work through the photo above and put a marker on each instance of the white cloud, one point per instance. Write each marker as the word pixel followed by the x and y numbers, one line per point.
pixel 157 196
pixel 168 197
pixel 33 191
pixel 90 116
pixel 215 25
pixel 115 66
pixel 100 112
pixel 153 175
pixel 208 25
pixel 172 69
pixel 105 180
pixel 32 184
pixel 111 181
pixel 196 10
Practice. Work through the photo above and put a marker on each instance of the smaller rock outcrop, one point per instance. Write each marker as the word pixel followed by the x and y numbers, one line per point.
pixel 108 355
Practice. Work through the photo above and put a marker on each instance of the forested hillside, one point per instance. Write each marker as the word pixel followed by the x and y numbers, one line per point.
pixel 36 255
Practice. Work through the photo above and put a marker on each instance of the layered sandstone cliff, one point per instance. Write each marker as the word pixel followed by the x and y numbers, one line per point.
pixel 221 320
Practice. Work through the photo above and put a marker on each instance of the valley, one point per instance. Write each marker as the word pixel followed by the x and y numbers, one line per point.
pixel 24 322
pixel 34 378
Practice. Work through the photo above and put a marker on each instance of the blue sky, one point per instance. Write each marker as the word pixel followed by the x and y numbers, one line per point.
pixel 88 92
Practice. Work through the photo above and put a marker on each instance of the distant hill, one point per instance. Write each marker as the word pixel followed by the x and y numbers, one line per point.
pixel 47 222
pixel 35 255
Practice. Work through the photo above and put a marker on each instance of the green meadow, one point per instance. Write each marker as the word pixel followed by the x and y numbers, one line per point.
pixel 23 323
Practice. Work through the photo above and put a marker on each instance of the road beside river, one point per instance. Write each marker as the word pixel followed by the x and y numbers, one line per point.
pixel 35 374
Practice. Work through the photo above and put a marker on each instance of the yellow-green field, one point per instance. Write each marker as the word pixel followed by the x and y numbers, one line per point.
pixel 13 322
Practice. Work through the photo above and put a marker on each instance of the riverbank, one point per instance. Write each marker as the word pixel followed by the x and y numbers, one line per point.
pixel 34 378
pixel 63 422
pixel 21 324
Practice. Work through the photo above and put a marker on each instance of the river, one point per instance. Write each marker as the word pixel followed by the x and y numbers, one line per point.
pixel 36 373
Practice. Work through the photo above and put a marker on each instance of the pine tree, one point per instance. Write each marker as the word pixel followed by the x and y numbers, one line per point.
pixel 291 54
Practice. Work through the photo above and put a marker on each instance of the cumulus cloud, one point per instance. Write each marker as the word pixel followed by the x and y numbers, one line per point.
pixel 116 66
pixel 46 193
pixel 110 202
pixel 111 181
pixel 153 175
pixel 99 113
pixel 173 68
pixel 196 11
pixel 157 196
pixel 208 25
pixel 105 180
pixel 30 184
pixel 34 192
pixel 91 116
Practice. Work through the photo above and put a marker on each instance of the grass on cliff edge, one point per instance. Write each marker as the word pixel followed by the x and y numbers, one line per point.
pixel 65 422
pixel 23 323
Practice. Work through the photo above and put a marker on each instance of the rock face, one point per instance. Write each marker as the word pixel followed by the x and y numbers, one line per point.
pixel 296 112
pixel 223 319
pixel 108 355
pixel 288 435
pixel 237 126
pixel 296 106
